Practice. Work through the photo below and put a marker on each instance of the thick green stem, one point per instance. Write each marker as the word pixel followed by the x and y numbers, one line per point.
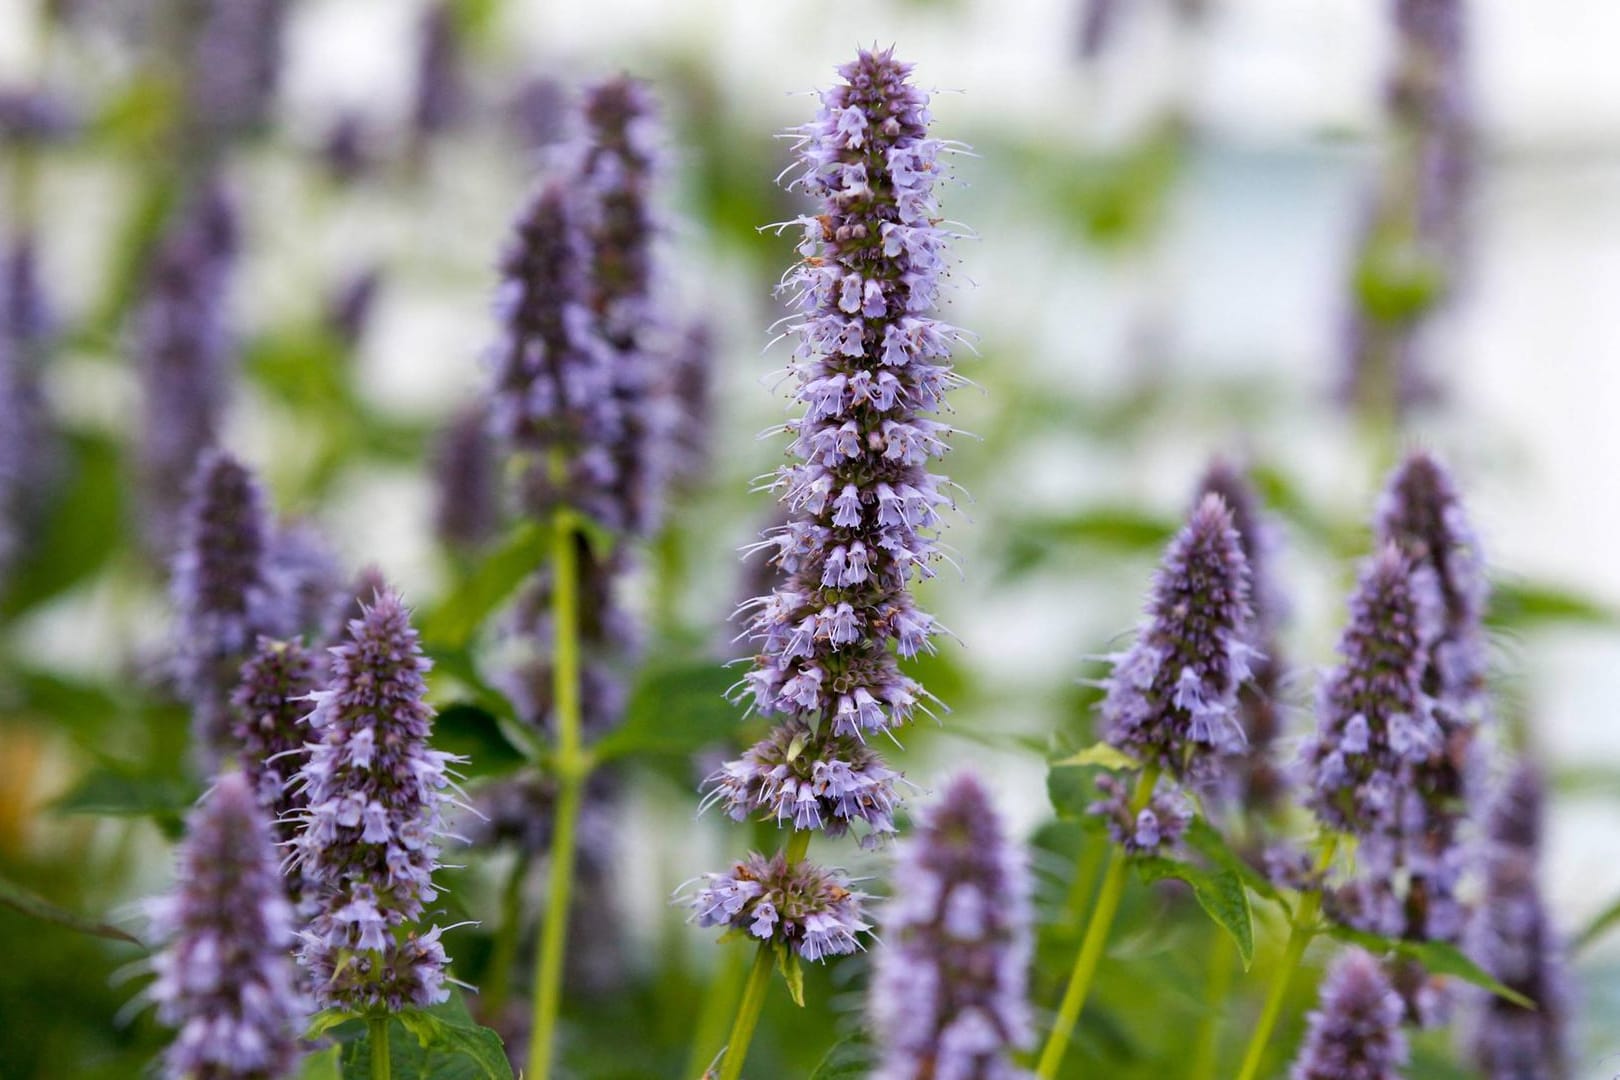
pixel 753 1000
pixel 504 957
pixel 1206 1050
pixel 1299 936
pixel 571 767
pixel 725 989
pixel 1091 947
pixel 1087 867
pixel 381 1067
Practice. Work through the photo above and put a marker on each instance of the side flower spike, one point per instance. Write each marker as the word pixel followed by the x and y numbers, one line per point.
pixel 272 702
pixel 1356 1030
pixel 810 909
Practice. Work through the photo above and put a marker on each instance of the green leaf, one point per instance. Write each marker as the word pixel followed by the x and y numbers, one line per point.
pixel 323 1065
pixel 17 898
pixel 787 962
pixel 1601 924
pixel 1220 893
pixel 1124 529
pixel 1207 840
pixel 1101 753
pixel 475 734
pixel 326 1020
pixel 1438 957
pixel 441 1043
pixel 674 709
pixel 849 1059
pixel 452 624
pixel 1526 604
pixel 72 542
pixel 112 789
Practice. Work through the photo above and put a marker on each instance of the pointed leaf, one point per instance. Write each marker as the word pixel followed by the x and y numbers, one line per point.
pixel 1601 924
pixel 787 962
pixel 1104 754
pixel 1438 957
pixel 498 575
pixel 1219 893
pixel 1208 841
pixel 323 1065
pixel 326 1020
pixel 849 1059
pixel 17 898
pixel 674 709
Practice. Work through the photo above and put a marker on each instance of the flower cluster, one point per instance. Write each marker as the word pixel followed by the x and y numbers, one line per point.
pixel 467 480
pixel 271 704
pixel 1355 1033
pixel 800 904
pixel 1152 830
pixel 306 572
pixel 1172 698
pixel 235 64
pixel 225 977
pixel 183 351
pixel 370 839
pixel 1513 940
pixel 949 990
pixel 222 593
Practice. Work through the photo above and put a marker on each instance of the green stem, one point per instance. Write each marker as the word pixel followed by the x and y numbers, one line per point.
pixel 1300 933
pixel 381 1067
pixel 753 1000
pixel 504 956
pixel 1091 946
pixel 1087 867
pixel 725 989
pixel 1206 1051
pixel 572 767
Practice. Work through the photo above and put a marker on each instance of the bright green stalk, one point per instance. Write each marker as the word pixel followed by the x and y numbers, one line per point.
pixel 721 1001
pixel 1301 931
pixel 381 1067
pixel 572 766
pixel 1206 1050
pixel 1091 947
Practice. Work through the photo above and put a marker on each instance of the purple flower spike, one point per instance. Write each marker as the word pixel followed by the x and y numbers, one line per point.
pixel 467 475
pixel 272 703
pixel 1172 699
pixel 827 785
pixel 949 995
pixel 225 976
pixel 1373 718
pixel 370 838
pixel 1154 830
pixel 1355 1033
pixel 223 594
pixel 236 63
pixel 1513 939
pixel 872 368
pixel 440 95
pixel 811 910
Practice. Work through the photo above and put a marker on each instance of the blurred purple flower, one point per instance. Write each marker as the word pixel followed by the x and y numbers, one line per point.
pixel 1156 829
pixel 440 98
pixel 467 481
pixel 537 112
pixel 235 64
pixel 34 116
pixel 692 391
pixel 349 309
pixel 949 993
pixel 305 572
pixel 225 976
pixel 1355 1033
pixel 810 909
pixel 272 701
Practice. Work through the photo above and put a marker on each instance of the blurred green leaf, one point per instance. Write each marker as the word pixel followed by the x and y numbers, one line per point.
pixel 325 1021
pixel 1601 924
pixel 675 709
pixel 1279 492
pixel 475 734
pixel 849 1059
pixel 1114 528
pixel 1395 280
pixel 323 1065
pixel 1070 791
pixel 305 367
pixel 497 576
pixel 441 1043
pixel 1220 893
pixel 74 541
pixel 1207 840
pixel 17 898
pixel 118 791
pixel 1528 604
pixel 1438 957
pixel 1100 753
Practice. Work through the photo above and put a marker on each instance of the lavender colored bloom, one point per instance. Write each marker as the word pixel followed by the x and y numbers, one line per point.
pixel 1355 1033
pixel 370 838
pixel 808 908
pixel 440 96
pixel 1260 781
pixel 305 573
pixel 692 430
pixel 223 595
pixel 1172 698
pixel 13 451
pixel 271 703
pixel 536 112
pixel 949 994
pixel 1156 829
pixel 1514 940
pixel 235 64
pixel 225 976
pixel 553 394
pixel 184 350
pixel 828 784
pixel 34 116
pixel 872 367
pixel 466 472
pixel 1373 718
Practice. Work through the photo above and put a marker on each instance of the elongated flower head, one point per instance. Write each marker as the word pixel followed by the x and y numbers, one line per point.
pixel 223 593
pixel 872 366
pixel 225 975
pixel 1373 718
pixel 811 909
pixel 370 839
pixel 272 703
pixel 467 475
pixel 1355 1032
pixel 306 573
pixel 1514 940
pixel 553 395
pixel 949 995
pixel 236 63
pixel 440 98
pixel 1172 697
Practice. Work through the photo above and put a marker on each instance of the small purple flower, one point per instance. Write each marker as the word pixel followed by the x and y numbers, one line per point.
pixel 950 992
pixel 466 475
pixel 369 841
pixel 808 908
pixel 791 777
pixel 223 595
pixel 440 99
pixel 272 702
pixel 34 116
pixel 1514 940
pixel 1172 698
pixel 1355 1032
pixel 225 976
pixel 1373 719
pixel 1156 829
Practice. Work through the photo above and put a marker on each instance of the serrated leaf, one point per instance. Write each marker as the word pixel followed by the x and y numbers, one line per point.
pixel 496 577
pixel 1100 753
pixel 17 898
pixel 1438 957
pixel 326 1020
pixel 1601 924
pixel 787 962
pixel 1219 892
pixel 674 709
pixel 1207 840
pixel 849 1059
